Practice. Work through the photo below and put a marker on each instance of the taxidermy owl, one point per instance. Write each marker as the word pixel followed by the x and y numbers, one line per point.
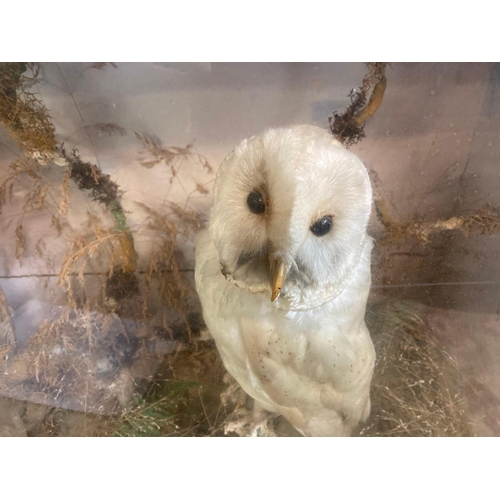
pixel 283 275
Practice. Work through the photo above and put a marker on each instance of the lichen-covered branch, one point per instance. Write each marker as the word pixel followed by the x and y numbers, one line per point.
pixel 484 221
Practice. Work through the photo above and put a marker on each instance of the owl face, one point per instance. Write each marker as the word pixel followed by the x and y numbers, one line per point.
pixel 290 213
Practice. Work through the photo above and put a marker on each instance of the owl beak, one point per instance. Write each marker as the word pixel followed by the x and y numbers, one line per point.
pixel 278 272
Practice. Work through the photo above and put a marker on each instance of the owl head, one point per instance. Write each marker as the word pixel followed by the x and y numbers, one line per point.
pixel 290 212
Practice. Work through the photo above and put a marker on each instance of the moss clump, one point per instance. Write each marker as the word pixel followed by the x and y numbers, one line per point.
pixel 24 115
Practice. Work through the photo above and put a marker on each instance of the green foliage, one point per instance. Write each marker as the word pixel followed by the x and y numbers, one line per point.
pixel 153 415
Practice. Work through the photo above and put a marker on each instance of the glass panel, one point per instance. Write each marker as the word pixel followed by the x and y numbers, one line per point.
pixel 107 173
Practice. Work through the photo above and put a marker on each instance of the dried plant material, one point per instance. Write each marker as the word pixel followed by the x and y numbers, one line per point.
pixel 163 264
pixel 18 168
pixel 110 128
pixel 43 421
pixel 80 254
pixel 415 384
pixel 56 223
pixel 45 366
pixel 87 177
pixel 11 193
pixel 77 361
pixel 201 412
pixel 415 387
pixel 128 254
pixel 35 197
pixel 41 248
pixel 11 424
pixel 106 247
pixel 90 178
pixel 4 351
pixel 20 243
pixel 59 362
pixel 65 195
pixel 121 285
pixel 29 81
pixel 166 403
pixel 102 189
pixel 485 221
pixel 348 127
pixel 201 188
pixel 188 221
pixel 205 164
pixel 163 276
pixel 153 146
pixel 168 154
pixel 24 114
pixel 7 330
pixel 25 165
pixel 102 65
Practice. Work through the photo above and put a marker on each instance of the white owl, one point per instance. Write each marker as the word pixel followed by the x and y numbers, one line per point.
pixel 283 275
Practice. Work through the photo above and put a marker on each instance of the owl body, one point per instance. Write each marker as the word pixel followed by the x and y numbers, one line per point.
pixel 306 354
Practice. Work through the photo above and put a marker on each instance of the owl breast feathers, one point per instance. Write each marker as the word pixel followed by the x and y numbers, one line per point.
pixel 283 275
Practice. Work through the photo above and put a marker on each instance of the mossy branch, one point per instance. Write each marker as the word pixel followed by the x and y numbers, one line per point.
pixel 484 221
pixel 90 178
pixel 348 127
pixel 375 101
pixel 24 115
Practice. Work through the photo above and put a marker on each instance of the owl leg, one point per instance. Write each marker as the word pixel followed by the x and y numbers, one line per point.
pixel 263 422
pixel 257 422
pixel 233 395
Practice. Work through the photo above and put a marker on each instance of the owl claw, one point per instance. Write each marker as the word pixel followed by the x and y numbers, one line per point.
pixel 245 426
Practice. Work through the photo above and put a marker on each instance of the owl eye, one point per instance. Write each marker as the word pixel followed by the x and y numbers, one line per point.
pixel 255 202
pixel 322 226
